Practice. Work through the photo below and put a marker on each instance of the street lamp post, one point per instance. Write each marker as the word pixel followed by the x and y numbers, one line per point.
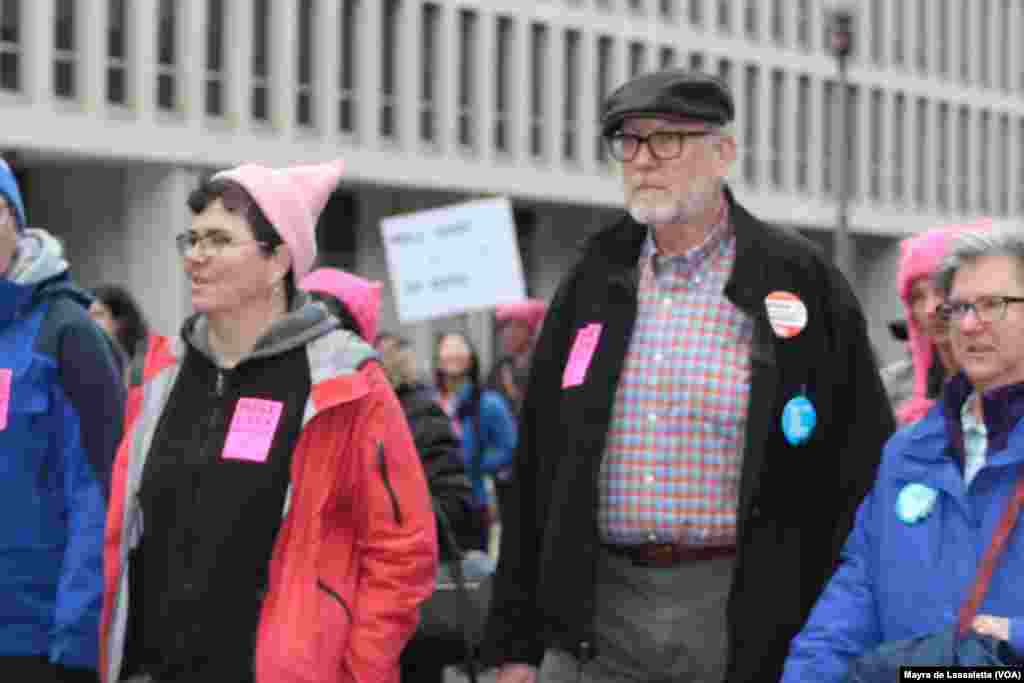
pixel 841 44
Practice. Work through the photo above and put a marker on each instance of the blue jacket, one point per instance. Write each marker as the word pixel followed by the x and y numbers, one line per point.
pixel 898 579
pixel 61 425
pixel 499 441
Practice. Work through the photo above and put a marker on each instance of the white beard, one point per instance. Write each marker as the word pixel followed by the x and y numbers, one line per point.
pixel 665 209
pixel 659 214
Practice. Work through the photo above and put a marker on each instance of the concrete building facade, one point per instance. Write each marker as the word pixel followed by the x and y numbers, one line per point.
pixel 114 108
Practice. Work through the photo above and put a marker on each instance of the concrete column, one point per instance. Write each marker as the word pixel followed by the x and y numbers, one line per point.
pixel 789 19
pixel 955 160
pixel 909 143
pixel 815 118
pixel 1013 158
pixel 912 34
pixel 764 18
pixel 1015 54
pixel 191 54
pixel 788 127
pixel 91 25
pixel 284 31
pixel 862 141
pixel 141 21
pixel 554 104
pixel 408 70
pixel 484 84
pixel 587 109
pixel 447 92
pixel 764 151
pixel 816 22
pixel 238 62
pixel 941 175
pixel 37 53
pixel 926 143
pixel 969 21
pixel 736 23
pixel 521 86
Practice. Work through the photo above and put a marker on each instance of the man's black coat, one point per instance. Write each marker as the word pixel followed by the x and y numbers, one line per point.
pixel 796 503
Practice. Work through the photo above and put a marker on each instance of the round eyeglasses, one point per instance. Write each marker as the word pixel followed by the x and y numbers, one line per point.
pixel 662 144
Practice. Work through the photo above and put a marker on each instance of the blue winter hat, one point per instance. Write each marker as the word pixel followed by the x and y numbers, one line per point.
pixel 9 189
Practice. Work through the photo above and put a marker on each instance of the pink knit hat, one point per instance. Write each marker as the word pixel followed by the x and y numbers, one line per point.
pixel 292 199
pixel 360 296
pixel 920 256
pixel 530 311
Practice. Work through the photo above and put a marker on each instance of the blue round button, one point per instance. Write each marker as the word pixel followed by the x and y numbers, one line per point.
pixel 915 502
pixel 799 419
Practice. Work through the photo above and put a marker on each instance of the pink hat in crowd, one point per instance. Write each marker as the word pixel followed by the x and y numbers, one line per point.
pixel 292 199
pixel 361 297
pixel 529 311
pixel 920 256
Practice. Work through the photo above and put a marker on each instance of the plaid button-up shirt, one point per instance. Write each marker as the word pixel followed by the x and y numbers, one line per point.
pixel 671 468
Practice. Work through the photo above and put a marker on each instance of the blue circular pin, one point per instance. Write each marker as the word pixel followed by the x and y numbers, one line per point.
pixel 798 420
pixel 915 502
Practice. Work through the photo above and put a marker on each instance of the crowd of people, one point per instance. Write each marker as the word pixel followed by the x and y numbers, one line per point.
pixel 697 468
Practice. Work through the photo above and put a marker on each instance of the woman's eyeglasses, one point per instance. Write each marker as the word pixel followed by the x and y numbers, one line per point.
pixel 210 244
pixel 988 309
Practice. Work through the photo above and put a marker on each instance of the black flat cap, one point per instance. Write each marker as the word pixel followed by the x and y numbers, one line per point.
pixel 672 93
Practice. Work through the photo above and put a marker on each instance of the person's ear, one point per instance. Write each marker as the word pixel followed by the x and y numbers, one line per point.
pixel 726 153
pixel 282 258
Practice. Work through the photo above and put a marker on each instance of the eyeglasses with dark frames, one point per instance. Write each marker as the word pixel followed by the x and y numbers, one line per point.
pixel 663 145
pixel 988 309
pixel 211 243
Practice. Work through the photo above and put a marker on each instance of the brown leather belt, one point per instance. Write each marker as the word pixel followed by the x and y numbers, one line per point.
pixel 669 554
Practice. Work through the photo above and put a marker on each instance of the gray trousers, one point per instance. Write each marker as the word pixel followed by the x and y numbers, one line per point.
pixel 652 625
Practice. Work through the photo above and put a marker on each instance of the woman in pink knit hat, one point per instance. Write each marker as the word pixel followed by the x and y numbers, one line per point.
pixel 270 520
pixel 520 324
pixel 931 359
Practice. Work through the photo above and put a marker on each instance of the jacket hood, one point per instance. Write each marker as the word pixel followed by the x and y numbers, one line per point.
pixel 38 257
pixel 302 324
pixel 38 273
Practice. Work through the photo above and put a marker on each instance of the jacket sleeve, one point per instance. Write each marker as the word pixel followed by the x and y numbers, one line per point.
pixel 75 642
pixel 439 451
pixel 398 542
pixel 499 428
pixel 89 376
pixel 863 399
pixel 844 623
pixel 512 630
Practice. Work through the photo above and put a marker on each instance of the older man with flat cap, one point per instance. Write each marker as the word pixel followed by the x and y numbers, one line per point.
pixel 702 418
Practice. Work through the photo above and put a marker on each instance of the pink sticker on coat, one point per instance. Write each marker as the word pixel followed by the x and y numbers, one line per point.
pixel 5 396
pixel 252 430
pixel 582 352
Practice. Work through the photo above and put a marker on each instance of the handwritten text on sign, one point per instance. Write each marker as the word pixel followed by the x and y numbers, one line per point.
pixel 454 259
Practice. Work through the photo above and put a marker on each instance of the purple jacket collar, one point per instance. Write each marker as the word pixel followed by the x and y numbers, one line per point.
pixel 1003 407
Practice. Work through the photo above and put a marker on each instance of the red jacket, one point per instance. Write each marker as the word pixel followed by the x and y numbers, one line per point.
pixel 357 550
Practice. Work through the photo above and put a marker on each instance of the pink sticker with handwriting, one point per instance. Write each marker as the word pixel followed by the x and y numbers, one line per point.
pixel 252 429
pixel 5 396
pixel 580 355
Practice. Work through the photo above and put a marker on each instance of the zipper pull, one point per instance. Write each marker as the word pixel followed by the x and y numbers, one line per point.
pixel 220 384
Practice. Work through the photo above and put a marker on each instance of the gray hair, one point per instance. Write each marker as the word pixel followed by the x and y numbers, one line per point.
pixel 967 247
